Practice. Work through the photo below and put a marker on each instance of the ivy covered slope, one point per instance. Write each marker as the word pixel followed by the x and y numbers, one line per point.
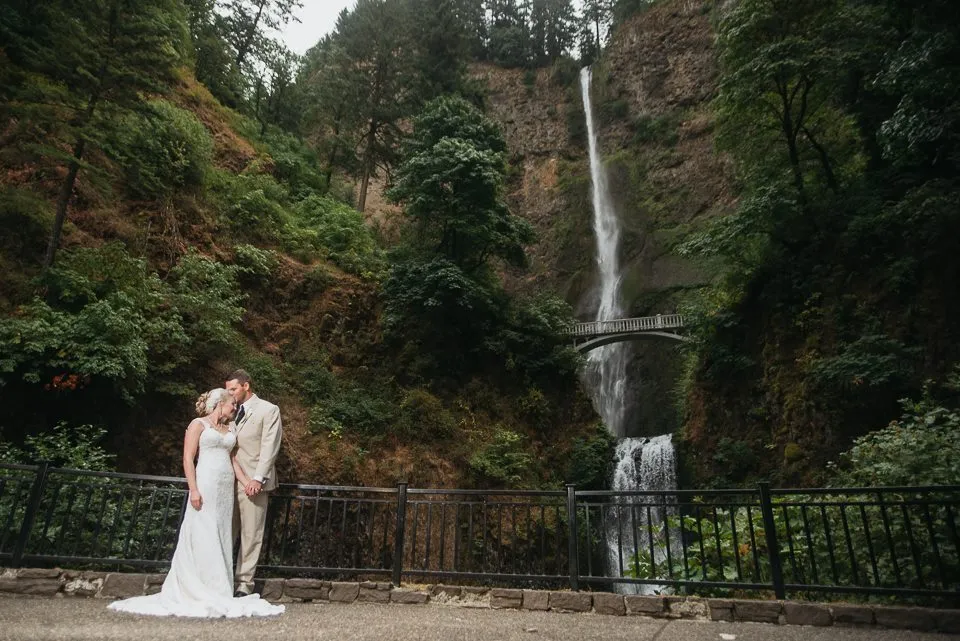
pixel 156 235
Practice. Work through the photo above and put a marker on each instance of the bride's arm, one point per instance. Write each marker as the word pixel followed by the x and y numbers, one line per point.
pixel 191 443
pixel 237 470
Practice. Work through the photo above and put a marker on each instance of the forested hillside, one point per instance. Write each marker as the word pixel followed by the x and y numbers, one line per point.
pixel 844 252
pixel 182 196
pixel 392 232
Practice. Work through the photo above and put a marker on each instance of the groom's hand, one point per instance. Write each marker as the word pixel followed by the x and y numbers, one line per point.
pixel 253 487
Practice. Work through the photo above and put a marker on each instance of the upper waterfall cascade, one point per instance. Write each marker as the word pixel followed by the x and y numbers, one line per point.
pixel 608 363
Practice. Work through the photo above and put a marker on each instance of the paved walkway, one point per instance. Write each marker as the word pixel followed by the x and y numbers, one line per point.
pixel 69 619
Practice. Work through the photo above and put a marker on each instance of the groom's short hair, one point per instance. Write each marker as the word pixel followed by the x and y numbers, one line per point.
pixel 241 376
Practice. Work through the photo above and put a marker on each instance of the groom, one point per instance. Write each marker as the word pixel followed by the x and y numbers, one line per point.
pixel 259 432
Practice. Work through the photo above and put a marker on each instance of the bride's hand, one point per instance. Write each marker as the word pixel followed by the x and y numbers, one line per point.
pixel 196 500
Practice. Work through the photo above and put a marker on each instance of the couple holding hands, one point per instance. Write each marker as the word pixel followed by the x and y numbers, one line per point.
pixel 229 455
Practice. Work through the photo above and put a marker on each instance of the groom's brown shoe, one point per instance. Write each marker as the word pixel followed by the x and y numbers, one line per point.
pixel 239 594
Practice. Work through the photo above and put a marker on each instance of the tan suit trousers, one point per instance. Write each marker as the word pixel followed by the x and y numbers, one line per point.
pixel 249 518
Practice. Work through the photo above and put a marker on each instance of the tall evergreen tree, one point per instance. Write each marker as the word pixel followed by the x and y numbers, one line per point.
pixel 376 43
pixel 250 24
pixel 81 61
pixel 439 35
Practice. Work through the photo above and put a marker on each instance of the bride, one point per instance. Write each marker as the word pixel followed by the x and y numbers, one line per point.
pixel 200 581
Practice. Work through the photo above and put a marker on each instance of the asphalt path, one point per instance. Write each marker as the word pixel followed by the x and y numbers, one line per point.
pixel 68 619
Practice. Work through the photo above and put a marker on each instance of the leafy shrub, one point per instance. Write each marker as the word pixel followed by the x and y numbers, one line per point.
pixel 108 318
pixel 161 150
pixel 733 460
pixel 871 361
pixel 423 416
pixel 504 459
pixel 25 219
pixel 342 231
pixel 613 110
pixel 566 72
pixel 591 460
pixel 255 264
pixel 75 448
pixel 267 376
pixel 294 164
pixel 921 448
pixel 254 206
pixel 655 129
pixel 439 302
pixel 532 341
pixel 359 411
pixel 534 408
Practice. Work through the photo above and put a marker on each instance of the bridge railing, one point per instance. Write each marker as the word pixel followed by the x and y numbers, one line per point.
pixel 626 325
pixel 869 541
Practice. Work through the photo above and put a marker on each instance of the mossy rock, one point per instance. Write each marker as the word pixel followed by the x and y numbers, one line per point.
pixel 793 453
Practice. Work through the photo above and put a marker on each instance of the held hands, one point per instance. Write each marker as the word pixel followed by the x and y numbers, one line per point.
pixel 196 500
pixel 253 487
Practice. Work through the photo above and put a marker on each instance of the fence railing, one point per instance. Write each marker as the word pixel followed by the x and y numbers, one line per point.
pixel 623 325
pixel 884 541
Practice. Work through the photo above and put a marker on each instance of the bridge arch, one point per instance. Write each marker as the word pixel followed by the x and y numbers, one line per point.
pixel 609 339
pixel 593 334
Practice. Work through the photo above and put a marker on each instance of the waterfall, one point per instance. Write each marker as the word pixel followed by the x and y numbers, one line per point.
pixel 607 366
pixel 641 463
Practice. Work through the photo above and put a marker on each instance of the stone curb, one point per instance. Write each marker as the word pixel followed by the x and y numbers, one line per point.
pixel 114 585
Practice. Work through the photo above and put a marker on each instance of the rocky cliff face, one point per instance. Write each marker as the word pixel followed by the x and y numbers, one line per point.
pixel 651 92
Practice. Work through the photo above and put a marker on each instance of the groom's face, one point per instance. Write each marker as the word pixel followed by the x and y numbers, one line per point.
pixel 239 391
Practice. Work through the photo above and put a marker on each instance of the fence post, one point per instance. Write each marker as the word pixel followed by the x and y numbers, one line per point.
pixel 30 515
pixel 773 547
pixel 572 550
pixel 398 535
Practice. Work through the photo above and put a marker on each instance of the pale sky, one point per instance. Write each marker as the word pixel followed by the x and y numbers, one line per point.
pixel 317 18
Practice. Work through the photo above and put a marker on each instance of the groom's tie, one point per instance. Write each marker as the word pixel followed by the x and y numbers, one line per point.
pixel 239 415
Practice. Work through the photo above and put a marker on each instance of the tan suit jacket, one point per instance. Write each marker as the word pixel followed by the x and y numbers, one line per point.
pixel 258 440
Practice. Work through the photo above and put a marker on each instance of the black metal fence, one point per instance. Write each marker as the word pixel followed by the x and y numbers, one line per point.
pixel 884 541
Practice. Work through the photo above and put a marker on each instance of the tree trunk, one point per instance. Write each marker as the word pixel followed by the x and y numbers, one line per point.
pixel 63 200
pixel 367 165
pixel 824 161
pixel 364 183
pixel 790 129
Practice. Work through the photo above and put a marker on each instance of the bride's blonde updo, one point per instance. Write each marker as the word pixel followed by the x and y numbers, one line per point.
pixel 209 400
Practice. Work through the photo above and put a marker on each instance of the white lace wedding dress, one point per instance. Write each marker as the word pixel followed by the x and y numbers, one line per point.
pixel 200 581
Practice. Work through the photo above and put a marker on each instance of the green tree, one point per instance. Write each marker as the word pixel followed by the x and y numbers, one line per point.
pixel 784 65
pixel 277 99
pixel 597 15
pixel 250 22
pixel 509 32
pixel 451 184
pixel 440 38
pixel 332 114
pixel 553 29
pixel 82 61
pixel 213 59
pixel 372 37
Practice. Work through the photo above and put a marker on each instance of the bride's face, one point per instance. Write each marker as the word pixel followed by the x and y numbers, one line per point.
pixel 227 409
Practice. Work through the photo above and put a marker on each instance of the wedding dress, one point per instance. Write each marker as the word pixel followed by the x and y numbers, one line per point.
pixel 200 581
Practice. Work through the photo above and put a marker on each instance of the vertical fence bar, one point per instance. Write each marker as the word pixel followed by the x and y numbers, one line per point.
pixel 30 514
pixel 398 535
pixel 773 548
pixel 574 560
